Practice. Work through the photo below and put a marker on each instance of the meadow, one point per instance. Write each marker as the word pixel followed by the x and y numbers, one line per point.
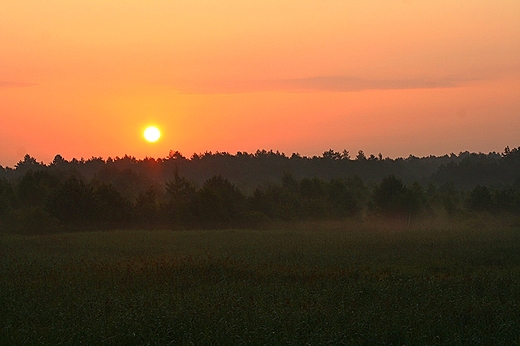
pixel 349 282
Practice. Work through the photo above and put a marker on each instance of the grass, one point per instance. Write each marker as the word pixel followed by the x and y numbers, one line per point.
pixel 343 283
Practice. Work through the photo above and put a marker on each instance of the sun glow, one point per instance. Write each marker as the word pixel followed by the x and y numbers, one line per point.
pixel 152 134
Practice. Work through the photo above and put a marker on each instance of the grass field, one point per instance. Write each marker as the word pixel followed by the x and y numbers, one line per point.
pixel 318 284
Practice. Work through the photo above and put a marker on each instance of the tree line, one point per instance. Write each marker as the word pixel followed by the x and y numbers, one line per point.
pixel 247 170
pixel 45 199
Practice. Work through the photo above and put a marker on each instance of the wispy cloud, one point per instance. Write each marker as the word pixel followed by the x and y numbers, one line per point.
pixel 346 83
pixel 9 84
pixel 337 83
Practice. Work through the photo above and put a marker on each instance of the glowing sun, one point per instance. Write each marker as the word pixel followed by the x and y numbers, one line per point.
pixel 152 134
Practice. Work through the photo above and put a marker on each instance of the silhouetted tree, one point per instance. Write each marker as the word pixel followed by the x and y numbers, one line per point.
pixel 389 197
pixel 480 199
pixel 6 196
pixel 28 163
pixel 73 203
pixel 507 200
pixel 345 198
pixel 147 208
pixel 59 161
pixel 332 155
pixel 290 183
pixel 450 198
pixel 361 156
pixel 181 205
pixel 113 209
pixel 264 200
pixel 313 198
pixel 22 207
pixel 219 202
pixel 287 198
pixel 415 199
pixel 35 187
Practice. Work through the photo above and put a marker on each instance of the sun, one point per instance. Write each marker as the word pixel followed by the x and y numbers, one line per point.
pixel 152 134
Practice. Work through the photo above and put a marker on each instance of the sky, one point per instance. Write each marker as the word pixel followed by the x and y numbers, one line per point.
pixel 397 77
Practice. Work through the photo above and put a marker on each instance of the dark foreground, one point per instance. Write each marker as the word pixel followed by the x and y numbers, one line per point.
pixel 314 284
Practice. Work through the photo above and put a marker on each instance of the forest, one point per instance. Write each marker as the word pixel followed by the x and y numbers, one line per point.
pixel 251 190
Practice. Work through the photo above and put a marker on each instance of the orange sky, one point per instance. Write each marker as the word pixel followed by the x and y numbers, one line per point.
pixel 83 78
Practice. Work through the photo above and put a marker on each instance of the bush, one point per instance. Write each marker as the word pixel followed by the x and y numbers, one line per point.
pixel 480 199
pixel 33 220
